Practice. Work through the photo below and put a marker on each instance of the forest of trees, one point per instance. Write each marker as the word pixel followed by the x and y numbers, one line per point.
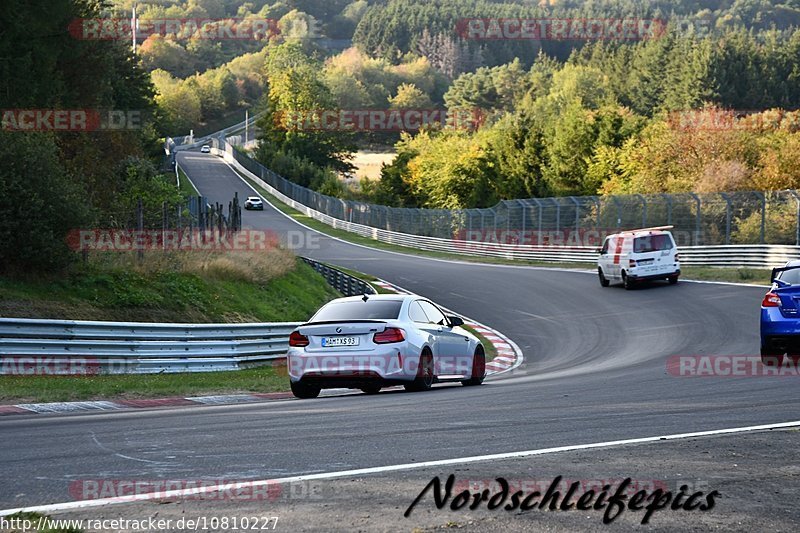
pixel 50 181
pixel 709 105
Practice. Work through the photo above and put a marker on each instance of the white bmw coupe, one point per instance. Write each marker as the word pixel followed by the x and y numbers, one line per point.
pixel 374 341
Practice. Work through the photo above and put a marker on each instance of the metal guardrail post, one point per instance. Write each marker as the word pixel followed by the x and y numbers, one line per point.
pixel 668 198
pixel 727 199
pixel 577 216
pixel 763 198
pixel 619 210
pixel 698 219
pixel 644 209
pixel 523 213
pixel 797 218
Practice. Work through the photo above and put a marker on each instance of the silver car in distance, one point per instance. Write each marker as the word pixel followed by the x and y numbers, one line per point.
pixel 373 341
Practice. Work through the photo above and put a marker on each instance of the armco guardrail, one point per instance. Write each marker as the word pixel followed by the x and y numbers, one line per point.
pixel 342 282
pixel 751 256
pixel 45 346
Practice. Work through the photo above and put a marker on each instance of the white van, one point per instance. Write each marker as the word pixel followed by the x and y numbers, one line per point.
pixel 638 255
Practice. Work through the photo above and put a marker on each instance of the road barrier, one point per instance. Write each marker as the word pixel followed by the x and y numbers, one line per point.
pixel 342 282
pixel 31 346
pixel 750 256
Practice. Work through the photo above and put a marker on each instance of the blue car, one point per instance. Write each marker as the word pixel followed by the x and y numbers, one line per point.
pixel 780 315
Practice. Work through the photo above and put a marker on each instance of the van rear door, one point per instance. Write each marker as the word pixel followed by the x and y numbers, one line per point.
pixel 654 254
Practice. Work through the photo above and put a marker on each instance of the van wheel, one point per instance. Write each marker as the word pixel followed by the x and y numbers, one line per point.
pixel 673 280
pixel 371 389
pixel 626 281
pixel 603 280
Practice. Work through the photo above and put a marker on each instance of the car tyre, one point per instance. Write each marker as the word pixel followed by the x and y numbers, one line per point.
pixel 478 368
pixel 425 377
pixel 371 389
pixel 626 282
pixel 604 282
pixel 304 391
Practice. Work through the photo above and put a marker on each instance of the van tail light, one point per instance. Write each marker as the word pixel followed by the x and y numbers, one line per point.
pixel 297 340
pixel 677 257
pixel 389 336
pixel 631 263
pixel 771 300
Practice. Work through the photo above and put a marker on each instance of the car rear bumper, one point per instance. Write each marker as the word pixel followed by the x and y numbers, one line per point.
pixel 351 369
pixel 779 333
pixel 648 277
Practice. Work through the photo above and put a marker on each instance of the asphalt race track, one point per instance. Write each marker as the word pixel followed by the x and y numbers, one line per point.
pixel 595 370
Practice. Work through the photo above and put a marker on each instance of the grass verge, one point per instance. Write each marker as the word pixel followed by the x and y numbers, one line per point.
pixel 274 287
pixel 43 389
pixel 750 276
pixel 186 184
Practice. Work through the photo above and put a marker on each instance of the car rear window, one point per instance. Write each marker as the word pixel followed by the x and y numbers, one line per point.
pixel 359 310
pixel 791 277
pixel 652 243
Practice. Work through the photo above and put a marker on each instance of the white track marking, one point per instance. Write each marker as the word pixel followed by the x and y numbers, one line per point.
pixel 85 504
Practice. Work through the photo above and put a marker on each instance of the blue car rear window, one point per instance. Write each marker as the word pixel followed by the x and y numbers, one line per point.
pixel 790 276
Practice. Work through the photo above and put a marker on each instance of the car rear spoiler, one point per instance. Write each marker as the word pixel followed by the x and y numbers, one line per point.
pixel 776 271
pixel 330 322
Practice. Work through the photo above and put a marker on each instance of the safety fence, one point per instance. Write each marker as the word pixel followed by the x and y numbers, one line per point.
pixel 751 256
pixel 58 347
pixel 698 219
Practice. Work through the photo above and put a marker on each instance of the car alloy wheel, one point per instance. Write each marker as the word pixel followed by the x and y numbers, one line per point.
pixel 425 377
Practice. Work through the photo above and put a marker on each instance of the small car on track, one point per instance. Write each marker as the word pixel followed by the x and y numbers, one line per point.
pixel 206 149
pixel 254 203
pixel 780 315
pixel 640 255
pixel 374 341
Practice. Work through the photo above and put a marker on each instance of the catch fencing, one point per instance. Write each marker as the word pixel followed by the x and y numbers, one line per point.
pixel 498 245
pixel 712 219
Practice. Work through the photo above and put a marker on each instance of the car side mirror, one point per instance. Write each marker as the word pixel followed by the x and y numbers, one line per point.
pixel 455 321
pixel 598 251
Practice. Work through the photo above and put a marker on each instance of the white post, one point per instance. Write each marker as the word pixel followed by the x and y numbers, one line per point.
pixel 133 29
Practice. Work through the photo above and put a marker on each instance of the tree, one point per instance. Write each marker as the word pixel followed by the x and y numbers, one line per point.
pixel 410 97
pixel 295 101
pixel 39 204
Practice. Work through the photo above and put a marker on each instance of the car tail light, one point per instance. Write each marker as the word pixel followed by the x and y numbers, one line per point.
pixel 677 257
pixel 631 263
pixel 771 300
pixel 297 340
pixel 389 336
